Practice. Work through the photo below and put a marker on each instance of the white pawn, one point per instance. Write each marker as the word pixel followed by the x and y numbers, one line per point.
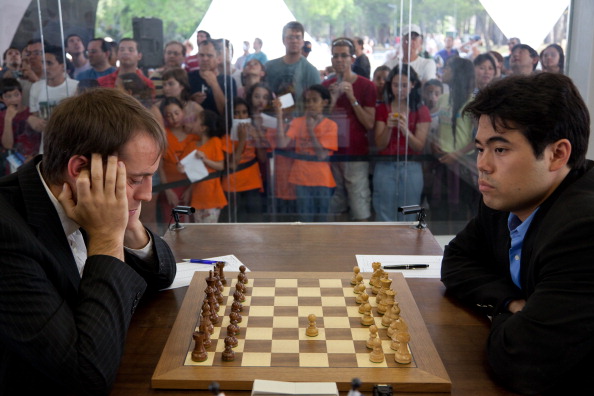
pixel 372 336
pixel 377 355
pixel 403 355
pixel 356 271
pixel 357 288
pixel 367 319
pixel 362 299
pixel 311 330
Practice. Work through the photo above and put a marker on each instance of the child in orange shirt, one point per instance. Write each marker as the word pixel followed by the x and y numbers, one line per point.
pixel 260 99
pixel 208 197
pixel 178 142
pixel 315 137
pixel 243 186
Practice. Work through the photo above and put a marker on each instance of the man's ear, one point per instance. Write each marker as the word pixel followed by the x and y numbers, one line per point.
pixel 560 152
pixel 77 163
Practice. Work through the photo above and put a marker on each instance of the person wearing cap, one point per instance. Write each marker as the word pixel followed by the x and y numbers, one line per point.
pixel 412 42
pixel 306 48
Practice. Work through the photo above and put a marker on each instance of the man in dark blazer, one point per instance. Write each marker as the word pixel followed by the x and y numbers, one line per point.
pixel 74 256
pixel 527 258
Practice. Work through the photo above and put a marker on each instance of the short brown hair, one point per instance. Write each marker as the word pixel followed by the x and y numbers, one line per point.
pixel 99 121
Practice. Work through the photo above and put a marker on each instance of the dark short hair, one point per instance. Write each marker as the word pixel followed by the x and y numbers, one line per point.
pixel 433 83
pixel 294 25
pixel 73 35
pixel 9 84
pixel 35 41
pixel 359 41
pixel 324 94
pixel 545 107
pixel 532 51
pixel 101 120
pixel 128 39
pixel 482 58
pixel 344 42
pixel 414 97
pixel 55 51
pixel 216 44
pixel 381 69
pixel 205 33
pixel 105 47
pixel 8 49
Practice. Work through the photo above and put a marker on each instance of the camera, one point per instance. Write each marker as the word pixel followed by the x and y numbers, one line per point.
pixel 410 209
pixel 382 390
pixel 415 209
pixel 187 210
pixel 175 212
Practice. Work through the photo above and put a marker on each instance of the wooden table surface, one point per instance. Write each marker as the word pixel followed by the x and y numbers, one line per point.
pixel 458 334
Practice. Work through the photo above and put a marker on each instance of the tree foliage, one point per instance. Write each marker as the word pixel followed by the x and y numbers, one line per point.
pixel 180 17
pixel 323 19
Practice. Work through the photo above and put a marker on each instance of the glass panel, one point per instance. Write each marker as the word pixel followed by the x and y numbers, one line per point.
pixel 283 117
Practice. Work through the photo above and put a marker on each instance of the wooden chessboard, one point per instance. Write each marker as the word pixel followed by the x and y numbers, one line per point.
pixel 273 344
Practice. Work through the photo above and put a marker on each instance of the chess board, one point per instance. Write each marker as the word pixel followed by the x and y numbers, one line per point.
pixel 273 344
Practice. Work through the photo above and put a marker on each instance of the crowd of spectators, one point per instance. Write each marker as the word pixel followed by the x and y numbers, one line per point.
pixel 279 137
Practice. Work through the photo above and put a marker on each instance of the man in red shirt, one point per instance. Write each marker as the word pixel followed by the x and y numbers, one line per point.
pixel 353 109
pixel 129 57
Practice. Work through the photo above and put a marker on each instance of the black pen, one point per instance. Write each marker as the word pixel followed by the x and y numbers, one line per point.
pixel 406 266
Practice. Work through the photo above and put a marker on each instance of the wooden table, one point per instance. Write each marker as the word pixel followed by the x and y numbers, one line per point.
pixel 458 334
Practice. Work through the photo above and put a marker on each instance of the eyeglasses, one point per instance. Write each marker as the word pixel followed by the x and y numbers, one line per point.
pixel 342 55
pixel 342 43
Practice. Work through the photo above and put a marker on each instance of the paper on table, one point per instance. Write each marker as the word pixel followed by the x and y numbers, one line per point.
pixel 236 122
pixel 194 167
pixel 434 270
pixel 185 271
pixel 267 387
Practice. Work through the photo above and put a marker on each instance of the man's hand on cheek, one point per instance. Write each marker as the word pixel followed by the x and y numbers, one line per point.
pixel 135 236
pixel 101 206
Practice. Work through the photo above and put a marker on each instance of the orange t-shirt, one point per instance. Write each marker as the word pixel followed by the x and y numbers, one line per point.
pixel 313 173
pixel 208 194
pixel 175 152
pixel 246 179
pixel 282 168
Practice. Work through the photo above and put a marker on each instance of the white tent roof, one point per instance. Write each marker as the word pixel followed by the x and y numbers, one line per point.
pixel 529 20
pixel 11 13
pixel 241 20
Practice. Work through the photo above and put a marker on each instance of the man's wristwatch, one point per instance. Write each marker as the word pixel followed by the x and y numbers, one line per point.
pixel 355 103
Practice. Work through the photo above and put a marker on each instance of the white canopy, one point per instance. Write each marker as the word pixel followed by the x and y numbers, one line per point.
pixel 241 20
pixel 528 20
